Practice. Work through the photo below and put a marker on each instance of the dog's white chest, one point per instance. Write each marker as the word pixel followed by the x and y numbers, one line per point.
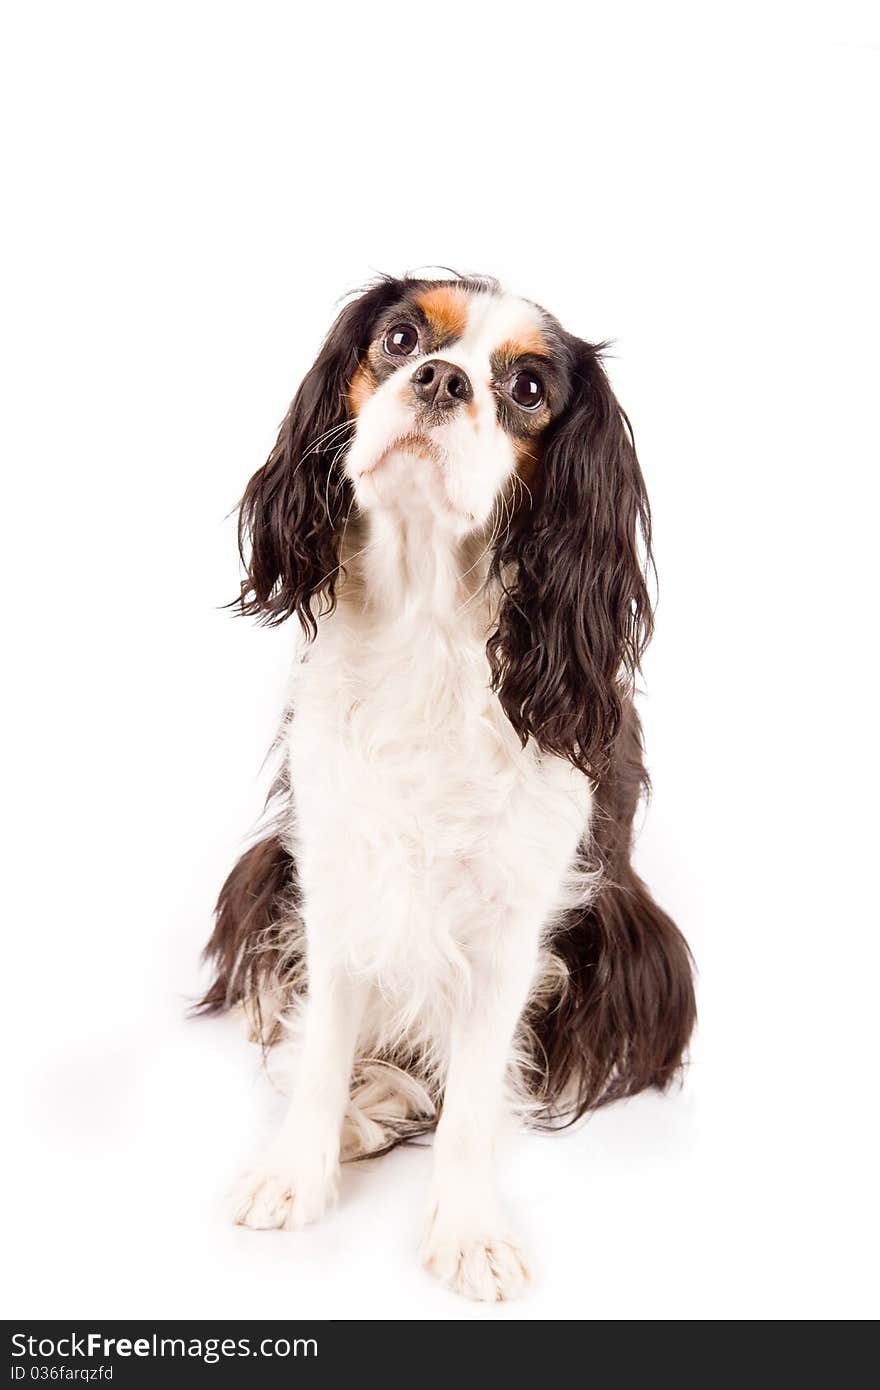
pixel 416 801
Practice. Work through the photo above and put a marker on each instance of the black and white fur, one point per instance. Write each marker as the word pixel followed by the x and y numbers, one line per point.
pixel 446 908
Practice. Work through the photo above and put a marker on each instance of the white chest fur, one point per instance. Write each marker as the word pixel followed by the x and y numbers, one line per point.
pixel 423 830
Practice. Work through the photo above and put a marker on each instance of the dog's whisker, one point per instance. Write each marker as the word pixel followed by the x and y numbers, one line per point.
pixel 488 546
pixel 316 444
pixel 520 482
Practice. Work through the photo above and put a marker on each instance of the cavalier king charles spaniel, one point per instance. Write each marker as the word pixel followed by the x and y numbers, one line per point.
pixel 444 907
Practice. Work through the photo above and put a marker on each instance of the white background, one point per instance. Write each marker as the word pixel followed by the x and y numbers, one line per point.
pixel 189 189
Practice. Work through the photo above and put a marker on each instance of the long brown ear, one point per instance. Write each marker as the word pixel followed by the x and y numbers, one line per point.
pixel 576 614
pixel 293 509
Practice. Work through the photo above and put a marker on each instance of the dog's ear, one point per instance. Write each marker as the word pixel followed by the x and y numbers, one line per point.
pixel 575 614
pixel 292 513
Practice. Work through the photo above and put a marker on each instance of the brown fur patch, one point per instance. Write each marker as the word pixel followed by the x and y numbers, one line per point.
pixel 529 340
pixel 528 459
pixel 446 309
pixel 361 388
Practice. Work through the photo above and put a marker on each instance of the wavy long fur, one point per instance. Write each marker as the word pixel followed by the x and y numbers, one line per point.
pixel 577 612
pixel 293 508
pixel 619 1024
pixel 572 624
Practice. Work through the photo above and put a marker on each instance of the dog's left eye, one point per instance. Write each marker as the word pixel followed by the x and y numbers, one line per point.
pixel 527 390
pixel 401 340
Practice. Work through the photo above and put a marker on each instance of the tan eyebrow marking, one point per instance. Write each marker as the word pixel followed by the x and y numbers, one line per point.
pixel 360 388
pixel 528 339
pixel 446 310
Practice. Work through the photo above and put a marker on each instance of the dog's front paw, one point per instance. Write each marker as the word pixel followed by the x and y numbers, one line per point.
pixel 486 1267
pixel 276 1199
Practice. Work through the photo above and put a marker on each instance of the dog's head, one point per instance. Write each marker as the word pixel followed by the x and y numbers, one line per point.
pixel 466 379
pixel 472 406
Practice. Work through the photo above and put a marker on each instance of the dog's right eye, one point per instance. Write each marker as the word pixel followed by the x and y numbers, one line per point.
pixel 401 340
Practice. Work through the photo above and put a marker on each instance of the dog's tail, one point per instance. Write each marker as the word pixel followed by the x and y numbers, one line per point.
pixel 623 1018
pixel 389 1105
pixel 626 1012
pixel 256 947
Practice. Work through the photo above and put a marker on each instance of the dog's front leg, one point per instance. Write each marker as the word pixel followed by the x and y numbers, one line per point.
pixel 299 1175
pixel 467 1245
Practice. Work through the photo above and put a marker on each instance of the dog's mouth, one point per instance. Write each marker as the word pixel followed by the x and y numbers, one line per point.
pixel 408 442
pixel 418 445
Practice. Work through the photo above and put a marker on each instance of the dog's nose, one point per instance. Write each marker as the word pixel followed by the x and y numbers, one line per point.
pixel 441 385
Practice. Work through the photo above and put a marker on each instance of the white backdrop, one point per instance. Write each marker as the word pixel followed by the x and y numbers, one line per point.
pixel 189 189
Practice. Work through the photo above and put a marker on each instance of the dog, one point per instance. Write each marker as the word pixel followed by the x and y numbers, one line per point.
pixel 444 907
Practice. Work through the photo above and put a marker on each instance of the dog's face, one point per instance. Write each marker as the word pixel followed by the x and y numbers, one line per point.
pixel 457 401
pixel 451 399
